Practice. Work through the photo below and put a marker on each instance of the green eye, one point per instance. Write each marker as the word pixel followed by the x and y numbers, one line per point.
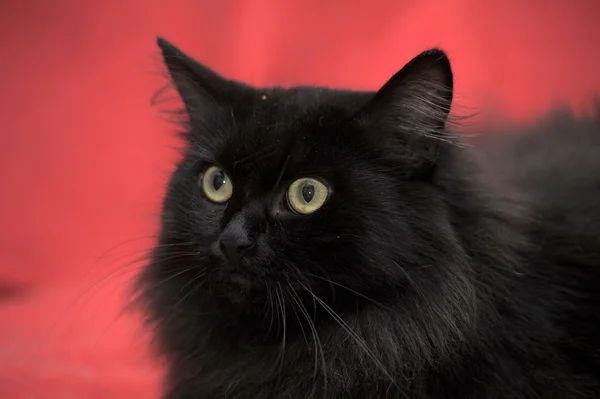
pixel 216 184
pixel 307 195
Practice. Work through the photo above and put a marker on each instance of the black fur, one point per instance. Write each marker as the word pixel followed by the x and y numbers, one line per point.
pixel 432 271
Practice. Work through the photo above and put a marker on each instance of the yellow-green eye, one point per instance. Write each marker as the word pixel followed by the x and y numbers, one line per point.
pixel 216 184
pixel 307 195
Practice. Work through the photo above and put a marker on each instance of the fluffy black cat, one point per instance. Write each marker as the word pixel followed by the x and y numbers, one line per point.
pixel 322 243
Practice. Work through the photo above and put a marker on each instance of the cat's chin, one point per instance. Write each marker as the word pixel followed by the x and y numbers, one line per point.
pixel 237 288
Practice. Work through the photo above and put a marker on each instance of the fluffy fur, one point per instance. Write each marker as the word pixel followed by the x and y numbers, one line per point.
pixel 432 271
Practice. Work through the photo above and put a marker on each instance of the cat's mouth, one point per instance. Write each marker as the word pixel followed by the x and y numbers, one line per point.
pixel 237 287
pixel 236 275
pixel 238 278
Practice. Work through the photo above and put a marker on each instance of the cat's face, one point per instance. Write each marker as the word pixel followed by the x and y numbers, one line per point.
pixel 309 189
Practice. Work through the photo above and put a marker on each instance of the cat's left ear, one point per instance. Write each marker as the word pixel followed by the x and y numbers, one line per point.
pixel 202 90
pixel 409 113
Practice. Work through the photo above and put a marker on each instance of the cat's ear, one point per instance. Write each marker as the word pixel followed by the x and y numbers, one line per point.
pixel 418 97
pixel 412 108
pixel 201 89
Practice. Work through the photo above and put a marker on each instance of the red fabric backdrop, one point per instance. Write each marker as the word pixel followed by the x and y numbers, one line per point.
pixel 84 157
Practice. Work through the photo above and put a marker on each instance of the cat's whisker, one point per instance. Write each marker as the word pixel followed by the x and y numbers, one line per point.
pixel 147 290
pixel 265 304
pixel 192 291
pixel 298 318
pixel 272 310
pixel 357 339
pixel 416 287
pixel 120 244
pixel 134 301
pixel 176 244
pixel 281 299
pixel 348 289
pixel 318 347
pixel 255 157
pixel 86 294
pixel 322 270
pixel 98 284
pixel 283 170
pixel 142 293
pixel 263 156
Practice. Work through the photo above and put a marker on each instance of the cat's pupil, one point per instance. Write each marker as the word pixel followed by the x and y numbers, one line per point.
pixel 219 180
pixel 308 192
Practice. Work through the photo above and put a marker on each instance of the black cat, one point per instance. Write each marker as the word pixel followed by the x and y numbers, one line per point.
pixel 322 243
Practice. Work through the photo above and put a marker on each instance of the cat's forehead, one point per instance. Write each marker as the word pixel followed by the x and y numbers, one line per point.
pixel 286 129
pixel 285 116
pixel 283 108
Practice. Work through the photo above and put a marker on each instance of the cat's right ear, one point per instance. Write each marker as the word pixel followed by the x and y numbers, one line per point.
pixel 407 116
pixel 202 90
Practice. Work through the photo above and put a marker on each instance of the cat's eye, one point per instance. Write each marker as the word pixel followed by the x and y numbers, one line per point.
pixel 307 195
pixel 216 184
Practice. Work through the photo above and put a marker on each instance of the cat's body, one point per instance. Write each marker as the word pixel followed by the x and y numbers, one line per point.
pixel 431 271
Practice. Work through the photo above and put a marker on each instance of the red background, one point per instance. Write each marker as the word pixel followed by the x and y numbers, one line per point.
pixel 84 157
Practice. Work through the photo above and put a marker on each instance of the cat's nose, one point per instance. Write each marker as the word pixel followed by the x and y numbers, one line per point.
pixel 233 246
pixel 235 239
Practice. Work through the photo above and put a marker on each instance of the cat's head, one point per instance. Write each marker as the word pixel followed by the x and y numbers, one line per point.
pixel 305 189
